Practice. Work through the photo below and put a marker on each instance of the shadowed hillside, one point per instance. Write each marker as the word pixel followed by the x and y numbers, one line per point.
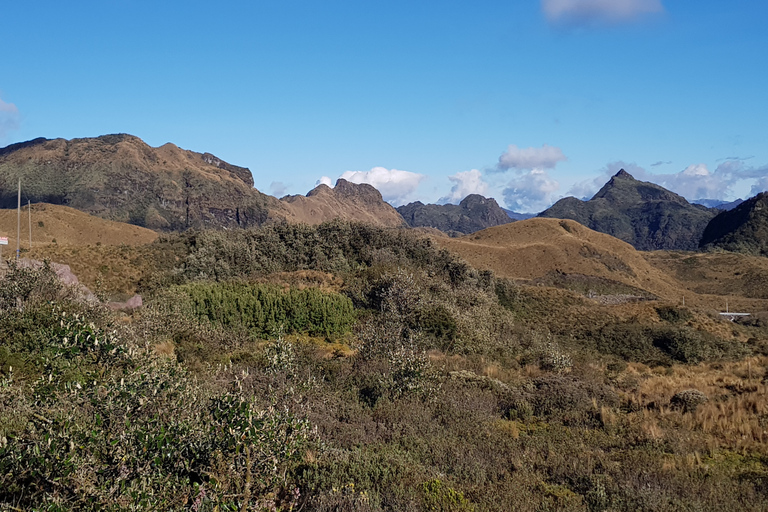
pixel 742 229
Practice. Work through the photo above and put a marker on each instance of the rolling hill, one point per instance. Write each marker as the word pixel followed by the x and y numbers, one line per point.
pixel 531 249
pixel 63 225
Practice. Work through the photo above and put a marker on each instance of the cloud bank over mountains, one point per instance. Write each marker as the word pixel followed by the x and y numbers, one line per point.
pixel 464 184
pixel 521 180
pixel 694 182
pixel 396 186
pixel 531 189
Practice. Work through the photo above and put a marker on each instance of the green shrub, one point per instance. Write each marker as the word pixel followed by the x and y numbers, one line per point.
pixel 438 497
pixel 267 309
pixel 674 314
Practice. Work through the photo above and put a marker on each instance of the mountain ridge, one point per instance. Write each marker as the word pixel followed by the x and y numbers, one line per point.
pixel 644 214
pixel 473 213
pixel 742 229
pixel 120 177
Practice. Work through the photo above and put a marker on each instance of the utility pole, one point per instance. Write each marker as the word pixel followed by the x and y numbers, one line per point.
pixel 29 211
pixel 18 224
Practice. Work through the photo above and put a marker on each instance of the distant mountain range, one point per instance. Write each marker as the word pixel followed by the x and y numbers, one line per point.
pixel 473 213
pixel 643 214
pixel 719 204
pixel 119 177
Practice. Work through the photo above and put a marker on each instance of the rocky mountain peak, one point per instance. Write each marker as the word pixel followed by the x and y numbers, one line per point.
pixel 473 213
pixel 644 214
pixel 346 188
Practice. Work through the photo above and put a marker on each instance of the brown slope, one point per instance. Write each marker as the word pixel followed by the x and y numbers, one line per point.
pixel 121 178
pixel 723 274
pixel 348 201
pixel 68 226
pixel 532 248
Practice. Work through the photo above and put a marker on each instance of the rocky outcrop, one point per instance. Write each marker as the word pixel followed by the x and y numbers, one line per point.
pixel 347 201
pixel 473 213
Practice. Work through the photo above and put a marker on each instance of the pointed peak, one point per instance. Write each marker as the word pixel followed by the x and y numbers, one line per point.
pixel 624 174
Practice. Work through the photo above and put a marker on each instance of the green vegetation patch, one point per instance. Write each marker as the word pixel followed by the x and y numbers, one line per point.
pixel 265 309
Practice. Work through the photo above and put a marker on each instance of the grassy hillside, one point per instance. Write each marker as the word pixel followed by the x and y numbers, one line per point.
pixel 444 387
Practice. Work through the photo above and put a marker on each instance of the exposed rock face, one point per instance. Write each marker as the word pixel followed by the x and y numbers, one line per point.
pixel 119 177
pixel 473 213
pixel 348 201
pixel 643 214
pixel 743 229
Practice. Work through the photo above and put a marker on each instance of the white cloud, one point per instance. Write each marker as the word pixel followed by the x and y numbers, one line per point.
pixel 545 157
pixel 598 12
pixel 694 182
pixel 9 118
pixel 325 180
pixel 464 184
pixel 532 192
pixel 395 185
pixel 278 188
pixel 760 186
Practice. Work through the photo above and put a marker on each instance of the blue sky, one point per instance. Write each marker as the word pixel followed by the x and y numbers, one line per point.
pixel 524 101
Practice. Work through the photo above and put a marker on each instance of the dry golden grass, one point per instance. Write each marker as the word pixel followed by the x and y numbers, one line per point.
pixel 164 348
pixel 735 417
pixel 113 270
pixel 68 226
pixel 530 249
pixel 724 274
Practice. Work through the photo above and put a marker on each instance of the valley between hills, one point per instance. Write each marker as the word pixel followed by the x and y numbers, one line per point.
pixel 330 352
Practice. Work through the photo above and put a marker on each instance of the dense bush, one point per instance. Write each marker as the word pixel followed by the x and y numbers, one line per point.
pixel 663 345
pixel 267 309
pixel 335 246
pixel 107 425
